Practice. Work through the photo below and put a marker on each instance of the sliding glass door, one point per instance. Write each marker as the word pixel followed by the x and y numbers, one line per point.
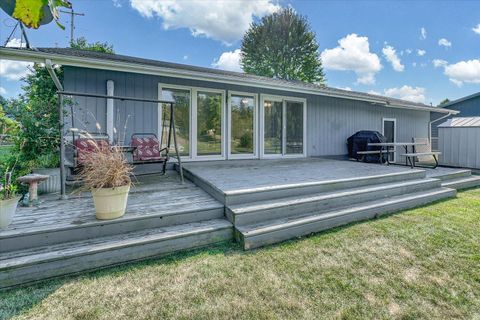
pixel 242 125
pixel 209 123
pixel 283 124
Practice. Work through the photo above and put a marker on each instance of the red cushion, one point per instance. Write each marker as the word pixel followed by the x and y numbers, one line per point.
pixel 85 146
pixel 147 149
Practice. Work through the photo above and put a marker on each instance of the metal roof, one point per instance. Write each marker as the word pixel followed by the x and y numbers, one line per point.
pixel 463 122
pixel 92 59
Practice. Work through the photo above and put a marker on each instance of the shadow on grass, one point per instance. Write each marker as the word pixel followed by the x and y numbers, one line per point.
pixel 20 299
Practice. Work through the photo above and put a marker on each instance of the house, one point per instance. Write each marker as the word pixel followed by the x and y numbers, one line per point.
pixel 223 115
pixel 468 106
pixel 275 177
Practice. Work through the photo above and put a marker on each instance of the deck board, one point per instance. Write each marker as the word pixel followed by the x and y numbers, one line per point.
pixel 237 175
pixel 150 195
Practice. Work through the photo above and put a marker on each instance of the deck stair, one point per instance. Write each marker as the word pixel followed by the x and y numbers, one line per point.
pixel 460 179
pixel 270 215
pixel 63 237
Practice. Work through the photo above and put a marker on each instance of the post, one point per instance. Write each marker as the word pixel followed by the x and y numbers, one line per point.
pixel 62 148
pixel 172 126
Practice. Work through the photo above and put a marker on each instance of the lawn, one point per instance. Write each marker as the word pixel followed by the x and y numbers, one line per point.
pixel 422 263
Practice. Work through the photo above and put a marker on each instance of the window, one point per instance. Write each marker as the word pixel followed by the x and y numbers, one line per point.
pixel 242 124
pixel 209 123
pixel 181 97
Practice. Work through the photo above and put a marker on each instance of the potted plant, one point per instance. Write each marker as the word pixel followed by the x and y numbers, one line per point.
pixel 8 200
pixel 106 173
pixel 48 164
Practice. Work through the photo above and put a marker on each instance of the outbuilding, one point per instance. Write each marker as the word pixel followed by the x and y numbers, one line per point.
pixel 459 142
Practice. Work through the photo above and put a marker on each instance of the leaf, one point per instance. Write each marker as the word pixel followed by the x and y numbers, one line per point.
pixel 29 12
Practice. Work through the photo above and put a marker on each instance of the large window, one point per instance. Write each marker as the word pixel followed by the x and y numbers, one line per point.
pixel 283 124
pixel 242 113
pixel 294 124
pixel 273 132
pixel 181 98
pixel 209 123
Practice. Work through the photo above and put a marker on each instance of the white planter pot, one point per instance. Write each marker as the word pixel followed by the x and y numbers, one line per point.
pixel 52 185
pixel 7 210
pixel 110 203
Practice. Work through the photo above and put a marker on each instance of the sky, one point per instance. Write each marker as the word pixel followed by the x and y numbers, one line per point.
pixel 423 51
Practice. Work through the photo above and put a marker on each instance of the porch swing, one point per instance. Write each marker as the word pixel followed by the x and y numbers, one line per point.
pixel 147 148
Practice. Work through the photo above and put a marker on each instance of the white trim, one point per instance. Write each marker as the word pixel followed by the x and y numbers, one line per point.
pixel 36 56
pixel 282 99
pixel 229 126
pixel 109 120
pixel 394 120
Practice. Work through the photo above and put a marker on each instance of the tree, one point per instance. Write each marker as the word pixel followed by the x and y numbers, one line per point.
pixel 444 101
pixel 282 46
pixel 81 43
pixel 36 110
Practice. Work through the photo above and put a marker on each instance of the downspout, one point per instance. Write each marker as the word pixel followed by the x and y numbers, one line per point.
pixel 58 84
pixel 436 120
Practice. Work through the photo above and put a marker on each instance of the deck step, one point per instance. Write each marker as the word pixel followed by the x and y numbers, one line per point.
pixel 257 235
pixel 277 191
pixel 260 211
pixel 30 265
pixel 462 182
pixel 463 173
pixel 18 237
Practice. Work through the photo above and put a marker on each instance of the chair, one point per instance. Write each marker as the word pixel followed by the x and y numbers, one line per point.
pixel 84 146
pixel 147 148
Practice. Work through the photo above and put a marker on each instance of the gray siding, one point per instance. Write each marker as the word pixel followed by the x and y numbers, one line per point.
pixel 460 146
pixel 330 121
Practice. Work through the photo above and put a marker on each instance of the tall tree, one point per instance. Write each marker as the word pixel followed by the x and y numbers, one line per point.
pixel 282 45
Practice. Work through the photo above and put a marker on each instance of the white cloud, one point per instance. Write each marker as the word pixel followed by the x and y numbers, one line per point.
pixel 439 63
pixel 409 93
pixel 444 42
pixel 3 91
pixel 423 33
pixel 414 64
pixel 117 3
pixel 391 56
pixel 463 72
pixel 229 60
pixel 14 70
pixel 408 51
pixel 221 20
pixel 421 52
pixel 353 54
pixel 476 29
pixel 185 57
pixel 374 92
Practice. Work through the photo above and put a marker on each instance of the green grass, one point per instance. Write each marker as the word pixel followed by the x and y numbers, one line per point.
pixel 422 263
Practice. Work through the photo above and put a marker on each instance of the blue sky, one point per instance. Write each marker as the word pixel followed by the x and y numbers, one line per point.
pixel 376 46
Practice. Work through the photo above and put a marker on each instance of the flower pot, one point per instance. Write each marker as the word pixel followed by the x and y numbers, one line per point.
pixel 7 210
pixel 110 203
pixel 52 185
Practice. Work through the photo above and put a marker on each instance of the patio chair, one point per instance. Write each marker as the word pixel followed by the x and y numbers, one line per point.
pixel 147 148
pixel 84 146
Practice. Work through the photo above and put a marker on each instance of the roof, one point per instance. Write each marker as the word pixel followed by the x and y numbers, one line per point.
pixel 107 61
pixel 461 122
pixel 451 103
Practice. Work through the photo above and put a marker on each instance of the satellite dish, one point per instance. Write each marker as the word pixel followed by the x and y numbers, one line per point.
pixel 9 6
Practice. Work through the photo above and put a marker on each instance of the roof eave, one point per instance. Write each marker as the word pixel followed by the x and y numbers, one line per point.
pixel 41 57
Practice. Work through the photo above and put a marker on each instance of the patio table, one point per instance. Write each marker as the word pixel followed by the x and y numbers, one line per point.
pixel 392 145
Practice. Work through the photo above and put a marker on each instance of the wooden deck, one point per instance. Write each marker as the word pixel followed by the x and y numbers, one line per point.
pixel 150 195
